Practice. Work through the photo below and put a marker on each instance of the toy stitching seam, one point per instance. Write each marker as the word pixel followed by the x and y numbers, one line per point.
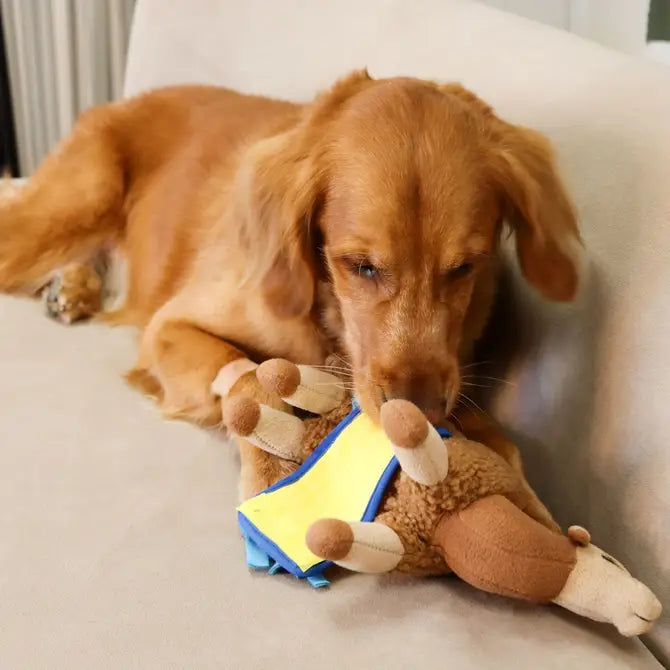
pixel 319 392
pixel 273 449
pixel 370 545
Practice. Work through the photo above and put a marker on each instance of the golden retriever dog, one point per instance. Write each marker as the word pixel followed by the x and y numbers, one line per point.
pixel 365 224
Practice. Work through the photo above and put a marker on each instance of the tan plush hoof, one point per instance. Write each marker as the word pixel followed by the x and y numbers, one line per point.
pixel 420 450
pixel 358 546
pixel 279 376
pixel 268 429
pixel 241 415
pixel 301 385
pixel 330 539
pixel 404 423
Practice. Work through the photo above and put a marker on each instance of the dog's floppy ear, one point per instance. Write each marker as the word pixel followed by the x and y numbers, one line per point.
pixel 534 200
pixel 278 188
pixel 536 205
pixel 280 184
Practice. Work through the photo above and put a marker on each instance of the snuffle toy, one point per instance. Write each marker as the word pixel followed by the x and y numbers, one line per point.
pixel 407 497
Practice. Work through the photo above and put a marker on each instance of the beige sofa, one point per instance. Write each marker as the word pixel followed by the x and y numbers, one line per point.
pixel 118 537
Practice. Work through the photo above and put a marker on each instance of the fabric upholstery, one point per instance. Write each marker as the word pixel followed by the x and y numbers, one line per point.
pixel 120 546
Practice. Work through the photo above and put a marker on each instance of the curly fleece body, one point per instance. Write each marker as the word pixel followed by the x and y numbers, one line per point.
pixel 474 471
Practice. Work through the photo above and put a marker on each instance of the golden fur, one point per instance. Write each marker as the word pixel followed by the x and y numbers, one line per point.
pixel 365 223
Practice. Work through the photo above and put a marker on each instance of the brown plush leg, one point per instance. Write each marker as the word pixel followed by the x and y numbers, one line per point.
pixel 420 450
pixel 276 432
pixel 360 546
pixel 477 428
pixel 301 385
pixel 497 548
pixel 259 469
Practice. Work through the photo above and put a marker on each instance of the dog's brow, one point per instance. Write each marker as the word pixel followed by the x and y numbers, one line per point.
pixel 477 253
pixel 456 258
pixel 353 244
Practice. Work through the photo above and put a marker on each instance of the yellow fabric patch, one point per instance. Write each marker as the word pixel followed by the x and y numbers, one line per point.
pixel 339 485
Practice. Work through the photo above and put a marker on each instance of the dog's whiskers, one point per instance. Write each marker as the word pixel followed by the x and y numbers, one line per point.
pixel 472 365
pixel 481 386
pixel 342 359
pixel 456 420
pixel 347 387
pixel 332 367
pixel 473 406
pixel 493 379
pixel 335 370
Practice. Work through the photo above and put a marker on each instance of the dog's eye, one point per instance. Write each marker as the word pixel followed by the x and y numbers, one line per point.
pixel 360 266
pixel 460 271
pixel 367 270
pixel 363 269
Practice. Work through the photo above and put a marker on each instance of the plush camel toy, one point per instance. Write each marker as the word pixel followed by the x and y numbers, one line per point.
pixel 453 504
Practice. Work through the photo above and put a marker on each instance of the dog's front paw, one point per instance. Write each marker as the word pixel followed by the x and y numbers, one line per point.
pixel 73 294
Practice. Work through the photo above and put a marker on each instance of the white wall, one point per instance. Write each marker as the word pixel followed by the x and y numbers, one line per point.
pixel 620 24
pixel 63 56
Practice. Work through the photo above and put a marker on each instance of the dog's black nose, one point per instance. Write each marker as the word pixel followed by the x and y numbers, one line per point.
pixel 427 392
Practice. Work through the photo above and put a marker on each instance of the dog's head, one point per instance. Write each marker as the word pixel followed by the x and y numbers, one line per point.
pixel 395 192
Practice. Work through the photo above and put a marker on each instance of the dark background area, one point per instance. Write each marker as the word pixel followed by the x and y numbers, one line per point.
pixel 659 20
pixel 8 158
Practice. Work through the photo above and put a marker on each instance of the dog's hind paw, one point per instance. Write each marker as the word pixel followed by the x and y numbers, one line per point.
pixel 73 294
